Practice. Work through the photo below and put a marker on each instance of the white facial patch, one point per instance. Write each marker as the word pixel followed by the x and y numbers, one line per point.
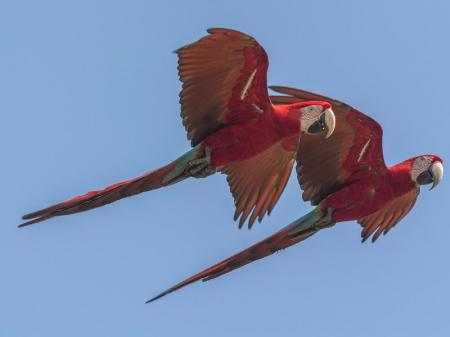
pixel 310 115
pixel 421 164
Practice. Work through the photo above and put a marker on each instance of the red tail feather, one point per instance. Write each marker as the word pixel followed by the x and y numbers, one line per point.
pixel 288 236
pixel 93 199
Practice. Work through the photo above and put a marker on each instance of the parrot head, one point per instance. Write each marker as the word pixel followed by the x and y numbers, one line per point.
pixel 427 169
pixel 317 117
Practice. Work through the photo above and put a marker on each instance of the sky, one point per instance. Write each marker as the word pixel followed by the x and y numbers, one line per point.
pixel 89 97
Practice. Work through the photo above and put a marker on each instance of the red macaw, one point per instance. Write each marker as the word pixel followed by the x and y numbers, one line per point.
pixel 346 177
pixel 233 126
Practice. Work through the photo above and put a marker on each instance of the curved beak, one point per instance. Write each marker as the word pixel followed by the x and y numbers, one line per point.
pixel 437 172
pixel 329 120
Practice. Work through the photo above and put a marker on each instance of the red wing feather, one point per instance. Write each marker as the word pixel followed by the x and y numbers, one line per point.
pixel 323 165
pixel 257 183
pixel 383 220
pixel 224 77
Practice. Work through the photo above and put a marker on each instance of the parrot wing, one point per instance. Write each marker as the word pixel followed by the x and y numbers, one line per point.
pixel 257 183
pixel 324 164
pixel 388 216
pixel 224 77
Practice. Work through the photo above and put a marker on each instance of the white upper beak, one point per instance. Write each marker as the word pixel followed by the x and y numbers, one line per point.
pixel 437 170
pixel 330 121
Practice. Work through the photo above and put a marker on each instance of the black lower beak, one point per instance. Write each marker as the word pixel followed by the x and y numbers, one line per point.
pixel 425 178
pixel 317 127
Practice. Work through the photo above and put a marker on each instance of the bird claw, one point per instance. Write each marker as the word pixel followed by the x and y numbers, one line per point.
pixel 325 220
pixel 201 167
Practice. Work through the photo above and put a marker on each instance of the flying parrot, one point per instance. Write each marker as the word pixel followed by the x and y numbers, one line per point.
pixel 346 178
pixel 233 126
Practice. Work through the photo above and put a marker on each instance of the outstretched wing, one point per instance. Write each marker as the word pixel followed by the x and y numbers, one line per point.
pixel 323 165
pixel 388 216
pixel 224 77
pixel 257 183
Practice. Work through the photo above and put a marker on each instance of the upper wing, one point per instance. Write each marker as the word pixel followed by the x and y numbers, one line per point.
pixel 257 183
pixel 224 77
pixel 323 165
pixel 388 216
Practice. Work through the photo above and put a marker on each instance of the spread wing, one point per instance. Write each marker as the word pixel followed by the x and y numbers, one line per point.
pixel 257 183
pixel 388 216
pixel 224 77
pixel 323 165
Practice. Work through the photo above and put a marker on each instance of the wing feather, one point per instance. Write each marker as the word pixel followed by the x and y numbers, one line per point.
pixel 383 220
pixel 223 74
pixel 257 183
pixel 323 165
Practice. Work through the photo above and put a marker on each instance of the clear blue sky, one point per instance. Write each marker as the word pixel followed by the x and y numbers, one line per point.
pixel 89 96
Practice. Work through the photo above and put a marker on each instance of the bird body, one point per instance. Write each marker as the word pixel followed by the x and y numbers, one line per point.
pixel 241 141
pixel 237 129
pixel 346 177
pixel 233 126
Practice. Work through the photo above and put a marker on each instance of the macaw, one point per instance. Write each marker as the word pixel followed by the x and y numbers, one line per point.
pixel 233 126
pixel 346 178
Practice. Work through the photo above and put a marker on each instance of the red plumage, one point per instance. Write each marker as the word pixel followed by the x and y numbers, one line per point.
pixel 237 129
pixel 346 177
pixel 232 124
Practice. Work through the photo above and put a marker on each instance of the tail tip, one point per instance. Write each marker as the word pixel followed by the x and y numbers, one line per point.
pixel 28 223
pixel 164 293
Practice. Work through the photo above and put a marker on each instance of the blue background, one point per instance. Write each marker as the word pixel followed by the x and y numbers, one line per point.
pixel 89 97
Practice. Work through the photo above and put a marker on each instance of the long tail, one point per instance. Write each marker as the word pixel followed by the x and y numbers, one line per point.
pixel 297 231
pixel 164 176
